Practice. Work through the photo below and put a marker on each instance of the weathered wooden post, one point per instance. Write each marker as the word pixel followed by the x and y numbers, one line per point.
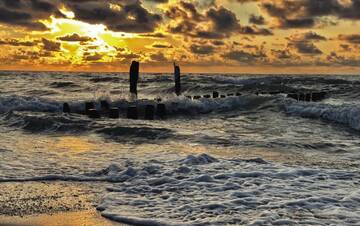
pixel 88 106
pixel 66 108
pixel 134 77
pixel 93 113
pixel 161 111
pixel 177 80
pixel 132 112
pixel 149 112
pixel 105 106
pixel 215 94
pixel 114 113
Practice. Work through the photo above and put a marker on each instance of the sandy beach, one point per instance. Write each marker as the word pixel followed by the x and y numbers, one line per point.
pixel 51 204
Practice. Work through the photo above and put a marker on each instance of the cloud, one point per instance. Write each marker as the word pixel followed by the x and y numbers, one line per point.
pixel 303 42
pixel 259 20
pixel 75 38
pixel 305 48
pixel 282 54
pixel 161 45
pixel 126 16
pixel 352 38
pixel 308 13
pixel 154 35
pixel 201 49
pixel 51 46
pixel 92 56
pixel 244 57
pixel 158 57
pixel 16 42
pixel 215 23
pixel 27 13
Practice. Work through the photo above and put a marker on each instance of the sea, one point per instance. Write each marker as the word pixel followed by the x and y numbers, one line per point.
pixel 251 157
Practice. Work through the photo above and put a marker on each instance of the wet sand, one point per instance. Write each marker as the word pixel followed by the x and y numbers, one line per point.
pixel 51 204
pixel 81 218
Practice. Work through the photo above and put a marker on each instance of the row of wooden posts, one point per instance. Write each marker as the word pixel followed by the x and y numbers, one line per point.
pixel 150 111
pixel 157 109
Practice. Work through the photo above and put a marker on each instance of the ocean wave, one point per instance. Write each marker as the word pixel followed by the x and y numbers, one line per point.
pixel 185 106
pixel 136 134
pixel 27 103
pixel 345 114
pixel 45 122
pixel 63 84
pixel 204 190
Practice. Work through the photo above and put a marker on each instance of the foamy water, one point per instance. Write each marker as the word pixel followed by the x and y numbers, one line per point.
pixel 266 159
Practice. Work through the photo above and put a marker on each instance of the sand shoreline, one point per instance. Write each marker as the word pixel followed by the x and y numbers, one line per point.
pixel 52 204
pixel 78 218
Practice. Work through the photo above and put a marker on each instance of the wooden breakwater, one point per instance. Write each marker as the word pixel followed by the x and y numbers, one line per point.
pixel 156 109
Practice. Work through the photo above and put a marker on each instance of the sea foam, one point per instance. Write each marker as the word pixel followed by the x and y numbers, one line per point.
pixel 204 190
pixel 345 114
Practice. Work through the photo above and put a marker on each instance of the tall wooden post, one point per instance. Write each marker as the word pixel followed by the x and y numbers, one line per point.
pixel 177 80
pixel 134 77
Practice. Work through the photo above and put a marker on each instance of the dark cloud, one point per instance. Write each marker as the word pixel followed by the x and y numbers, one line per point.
pixel 345 47
pixel 305 48
pixel 352 38
pixel 259 20
pixel 307 36
pixel 253 30
pixel 282 54
pixel 218 43
pixel 129 16
pixel 334 59
pixel 27 13
pixel 158 57
pixel 223 20
pixel 154 35
pixel 92 56
pixel 244 57
pixel 51 46
pixel 308 13
pixel 16 42
pixel 214 23
pixel 162 46
pixel 75 38
pixel 201 49
pixel 303 43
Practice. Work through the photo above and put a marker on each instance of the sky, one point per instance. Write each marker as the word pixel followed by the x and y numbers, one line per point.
pixel 204 36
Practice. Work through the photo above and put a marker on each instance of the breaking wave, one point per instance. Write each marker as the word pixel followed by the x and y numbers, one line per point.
pixel 344 114
pixel 204 190
pixel 26 103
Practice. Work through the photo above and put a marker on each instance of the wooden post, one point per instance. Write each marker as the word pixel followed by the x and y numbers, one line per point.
pixel 132 112
pixel 88 106
pixel 215 94
pixel 105 106
pixel 114 113
pixel 149 112
pixel 161 111
pixel 134 77
pixel 66 108
pixel 93 113
pixel 177 80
